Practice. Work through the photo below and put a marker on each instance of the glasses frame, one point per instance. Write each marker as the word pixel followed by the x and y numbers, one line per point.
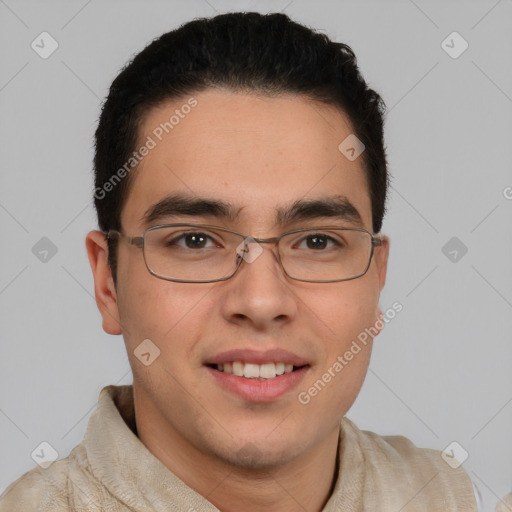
pixel 138 241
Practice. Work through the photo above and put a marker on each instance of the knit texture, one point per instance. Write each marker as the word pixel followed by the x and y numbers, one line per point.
pixel 112 471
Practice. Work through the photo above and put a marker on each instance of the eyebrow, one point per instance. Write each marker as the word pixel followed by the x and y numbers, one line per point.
pixel 179 205
pixel 337 207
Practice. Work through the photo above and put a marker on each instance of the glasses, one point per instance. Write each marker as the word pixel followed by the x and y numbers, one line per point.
pixel 192 253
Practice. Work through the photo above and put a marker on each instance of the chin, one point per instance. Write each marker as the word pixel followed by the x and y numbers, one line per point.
pixel 259 455
pixel 250 457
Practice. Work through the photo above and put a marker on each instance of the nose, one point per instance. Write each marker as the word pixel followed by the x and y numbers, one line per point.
pixel 259 294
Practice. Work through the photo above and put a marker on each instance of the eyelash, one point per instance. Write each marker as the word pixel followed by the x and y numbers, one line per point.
pixel 182 236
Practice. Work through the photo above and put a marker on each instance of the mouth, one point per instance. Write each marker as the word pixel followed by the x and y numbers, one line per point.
pixel 264 371
pixel 257 376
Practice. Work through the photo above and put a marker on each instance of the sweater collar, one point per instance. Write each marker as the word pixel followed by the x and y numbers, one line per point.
pixel 130 472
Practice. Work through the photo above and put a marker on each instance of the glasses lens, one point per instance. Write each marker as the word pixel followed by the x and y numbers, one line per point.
pixel 326 254
pixel 190 253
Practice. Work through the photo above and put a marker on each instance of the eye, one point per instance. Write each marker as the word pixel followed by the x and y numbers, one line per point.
pixel 318 242
pixel 193 241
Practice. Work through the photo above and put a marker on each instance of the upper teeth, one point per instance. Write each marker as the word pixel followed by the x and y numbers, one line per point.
pixel 255 371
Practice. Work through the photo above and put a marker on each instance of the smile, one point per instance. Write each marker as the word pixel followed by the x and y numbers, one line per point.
pixel 255 371
pixel 257 376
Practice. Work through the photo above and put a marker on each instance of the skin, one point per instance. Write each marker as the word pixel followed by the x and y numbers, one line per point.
pixel 257 153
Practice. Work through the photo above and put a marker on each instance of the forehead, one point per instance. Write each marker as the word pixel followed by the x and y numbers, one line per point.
pixel 256 153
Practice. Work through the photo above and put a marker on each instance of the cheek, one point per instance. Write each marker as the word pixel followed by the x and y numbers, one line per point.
pixel 347 317
pixel 170 314
pixel 347 309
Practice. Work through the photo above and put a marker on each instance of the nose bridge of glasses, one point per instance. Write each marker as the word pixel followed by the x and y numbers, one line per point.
pixel 251 248
pixel 270 240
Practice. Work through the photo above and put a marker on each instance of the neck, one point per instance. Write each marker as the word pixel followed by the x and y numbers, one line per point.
pixel 304 483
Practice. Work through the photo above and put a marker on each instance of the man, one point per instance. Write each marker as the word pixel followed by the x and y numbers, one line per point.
pixel 240 188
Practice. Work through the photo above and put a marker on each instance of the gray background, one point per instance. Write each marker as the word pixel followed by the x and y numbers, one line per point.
pixel 441 370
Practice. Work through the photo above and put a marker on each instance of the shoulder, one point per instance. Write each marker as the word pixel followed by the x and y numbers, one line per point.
pixel 397 463
pixel 395 451
pixel 39 490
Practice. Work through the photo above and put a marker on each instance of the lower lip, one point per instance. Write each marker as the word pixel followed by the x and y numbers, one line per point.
pixel 256 390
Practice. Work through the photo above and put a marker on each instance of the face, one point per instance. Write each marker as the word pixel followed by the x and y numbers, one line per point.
pixel 259 155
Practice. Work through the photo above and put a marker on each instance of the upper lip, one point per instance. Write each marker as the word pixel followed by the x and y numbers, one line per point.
pixel 278 355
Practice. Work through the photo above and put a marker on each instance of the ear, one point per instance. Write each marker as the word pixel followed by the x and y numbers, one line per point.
pixel 104 289
pixel 381 254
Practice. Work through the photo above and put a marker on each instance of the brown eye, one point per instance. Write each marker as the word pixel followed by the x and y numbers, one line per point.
pixel 316 242
pixel 192 241
pixel 195 240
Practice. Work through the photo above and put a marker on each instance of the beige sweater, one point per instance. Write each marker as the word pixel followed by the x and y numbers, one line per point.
pixel 112 471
